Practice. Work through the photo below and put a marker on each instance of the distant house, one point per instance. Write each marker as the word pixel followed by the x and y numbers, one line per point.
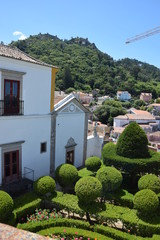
pixel 123 95
pixel 102 99
pixel 84 98
pixel 156 108
pixel 146 97
pixel 147 121
pixel 145 118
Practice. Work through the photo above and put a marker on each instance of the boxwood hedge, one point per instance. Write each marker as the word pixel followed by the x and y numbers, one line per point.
pixel 135 165
pixel 26 204
pixel 76 232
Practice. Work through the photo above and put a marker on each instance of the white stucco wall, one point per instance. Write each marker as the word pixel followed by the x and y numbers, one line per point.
pixel 33 130
pixel 69 125
pixel 94 146
pixel 120 122
pixel 36 84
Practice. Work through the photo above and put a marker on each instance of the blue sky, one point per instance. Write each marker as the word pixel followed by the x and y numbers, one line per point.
pixel 107 23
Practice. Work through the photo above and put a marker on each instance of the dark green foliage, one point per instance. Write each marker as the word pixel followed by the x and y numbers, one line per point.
pixel 146 202
pixel 110 178
pixel 108 111
pixel 44 185
pixel 131 165
pixel 88 189
pixel 93 163
pixel 133 142
pixel 149 181
pixel 138 103
pixel 6 205
pixel 66 175
pixel 26 204
pixel 90 66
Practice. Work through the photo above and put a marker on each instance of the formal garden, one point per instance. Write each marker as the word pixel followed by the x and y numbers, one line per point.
pixel 116 197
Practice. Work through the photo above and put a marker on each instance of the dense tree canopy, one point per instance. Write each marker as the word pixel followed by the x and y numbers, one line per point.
pixel 87 67
pixel 108 111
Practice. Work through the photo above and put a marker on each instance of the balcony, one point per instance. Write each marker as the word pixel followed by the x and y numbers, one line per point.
pixel 11 107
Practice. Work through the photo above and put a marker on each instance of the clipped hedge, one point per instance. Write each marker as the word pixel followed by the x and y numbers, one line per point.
pixel 66 175
pixel 127 216
pixel 115 234
pixel 110 178
pixel 136 165
pixel 133 142
pixel 120 235
pixel 88 189
pixel 26 204
pixel 122 197
pixel 44 185
pixel 76 232
pixel 93 163
pixel 130 221
pixel 149 181
pixel 37 226
pixel 6 205
pixel 68 202
pixel 146 202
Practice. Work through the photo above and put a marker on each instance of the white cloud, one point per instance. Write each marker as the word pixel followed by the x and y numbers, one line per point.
pixel 20 34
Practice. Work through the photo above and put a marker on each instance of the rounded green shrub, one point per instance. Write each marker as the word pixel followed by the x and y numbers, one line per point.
pixel 44 185
pixel 93 163
pixel 6 205
pixel 149 181
pixel 110 178
pixel 146 201
pixel 133 142
pixel 88 189
pixel 66 175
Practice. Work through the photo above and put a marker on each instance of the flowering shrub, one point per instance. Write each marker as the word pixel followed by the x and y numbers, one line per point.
pixel 41 215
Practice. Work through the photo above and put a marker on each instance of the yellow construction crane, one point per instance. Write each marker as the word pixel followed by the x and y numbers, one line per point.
pixel 143 35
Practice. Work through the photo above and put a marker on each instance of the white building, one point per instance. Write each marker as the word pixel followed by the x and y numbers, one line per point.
pixel 123 95
pixel 35 137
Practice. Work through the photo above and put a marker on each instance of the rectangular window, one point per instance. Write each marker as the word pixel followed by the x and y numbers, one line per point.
pixel 70 157
pixel 43 147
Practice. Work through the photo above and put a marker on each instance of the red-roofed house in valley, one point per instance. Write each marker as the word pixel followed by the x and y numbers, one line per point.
pixel 146 120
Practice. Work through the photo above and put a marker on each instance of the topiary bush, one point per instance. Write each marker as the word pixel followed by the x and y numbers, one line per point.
pixel 66 175
pixel 93 163
pixel 149 181
pixel 133 142
pixel 110 178
pixel 6 205
pixel 88 189
pixel 130 165
pixel 44 185
pixel 146 202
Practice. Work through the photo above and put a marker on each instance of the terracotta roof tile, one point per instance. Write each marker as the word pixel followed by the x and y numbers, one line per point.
pixel 15 53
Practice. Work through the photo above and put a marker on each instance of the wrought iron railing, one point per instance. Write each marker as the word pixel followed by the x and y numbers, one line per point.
pixel 11 107
pixel 28 173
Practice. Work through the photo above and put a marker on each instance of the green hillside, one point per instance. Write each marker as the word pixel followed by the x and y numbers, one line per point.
pixel 84 67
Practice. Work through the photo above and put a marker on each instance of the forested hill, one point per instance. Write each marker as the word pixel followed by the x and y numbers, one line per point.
pixel 83 67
